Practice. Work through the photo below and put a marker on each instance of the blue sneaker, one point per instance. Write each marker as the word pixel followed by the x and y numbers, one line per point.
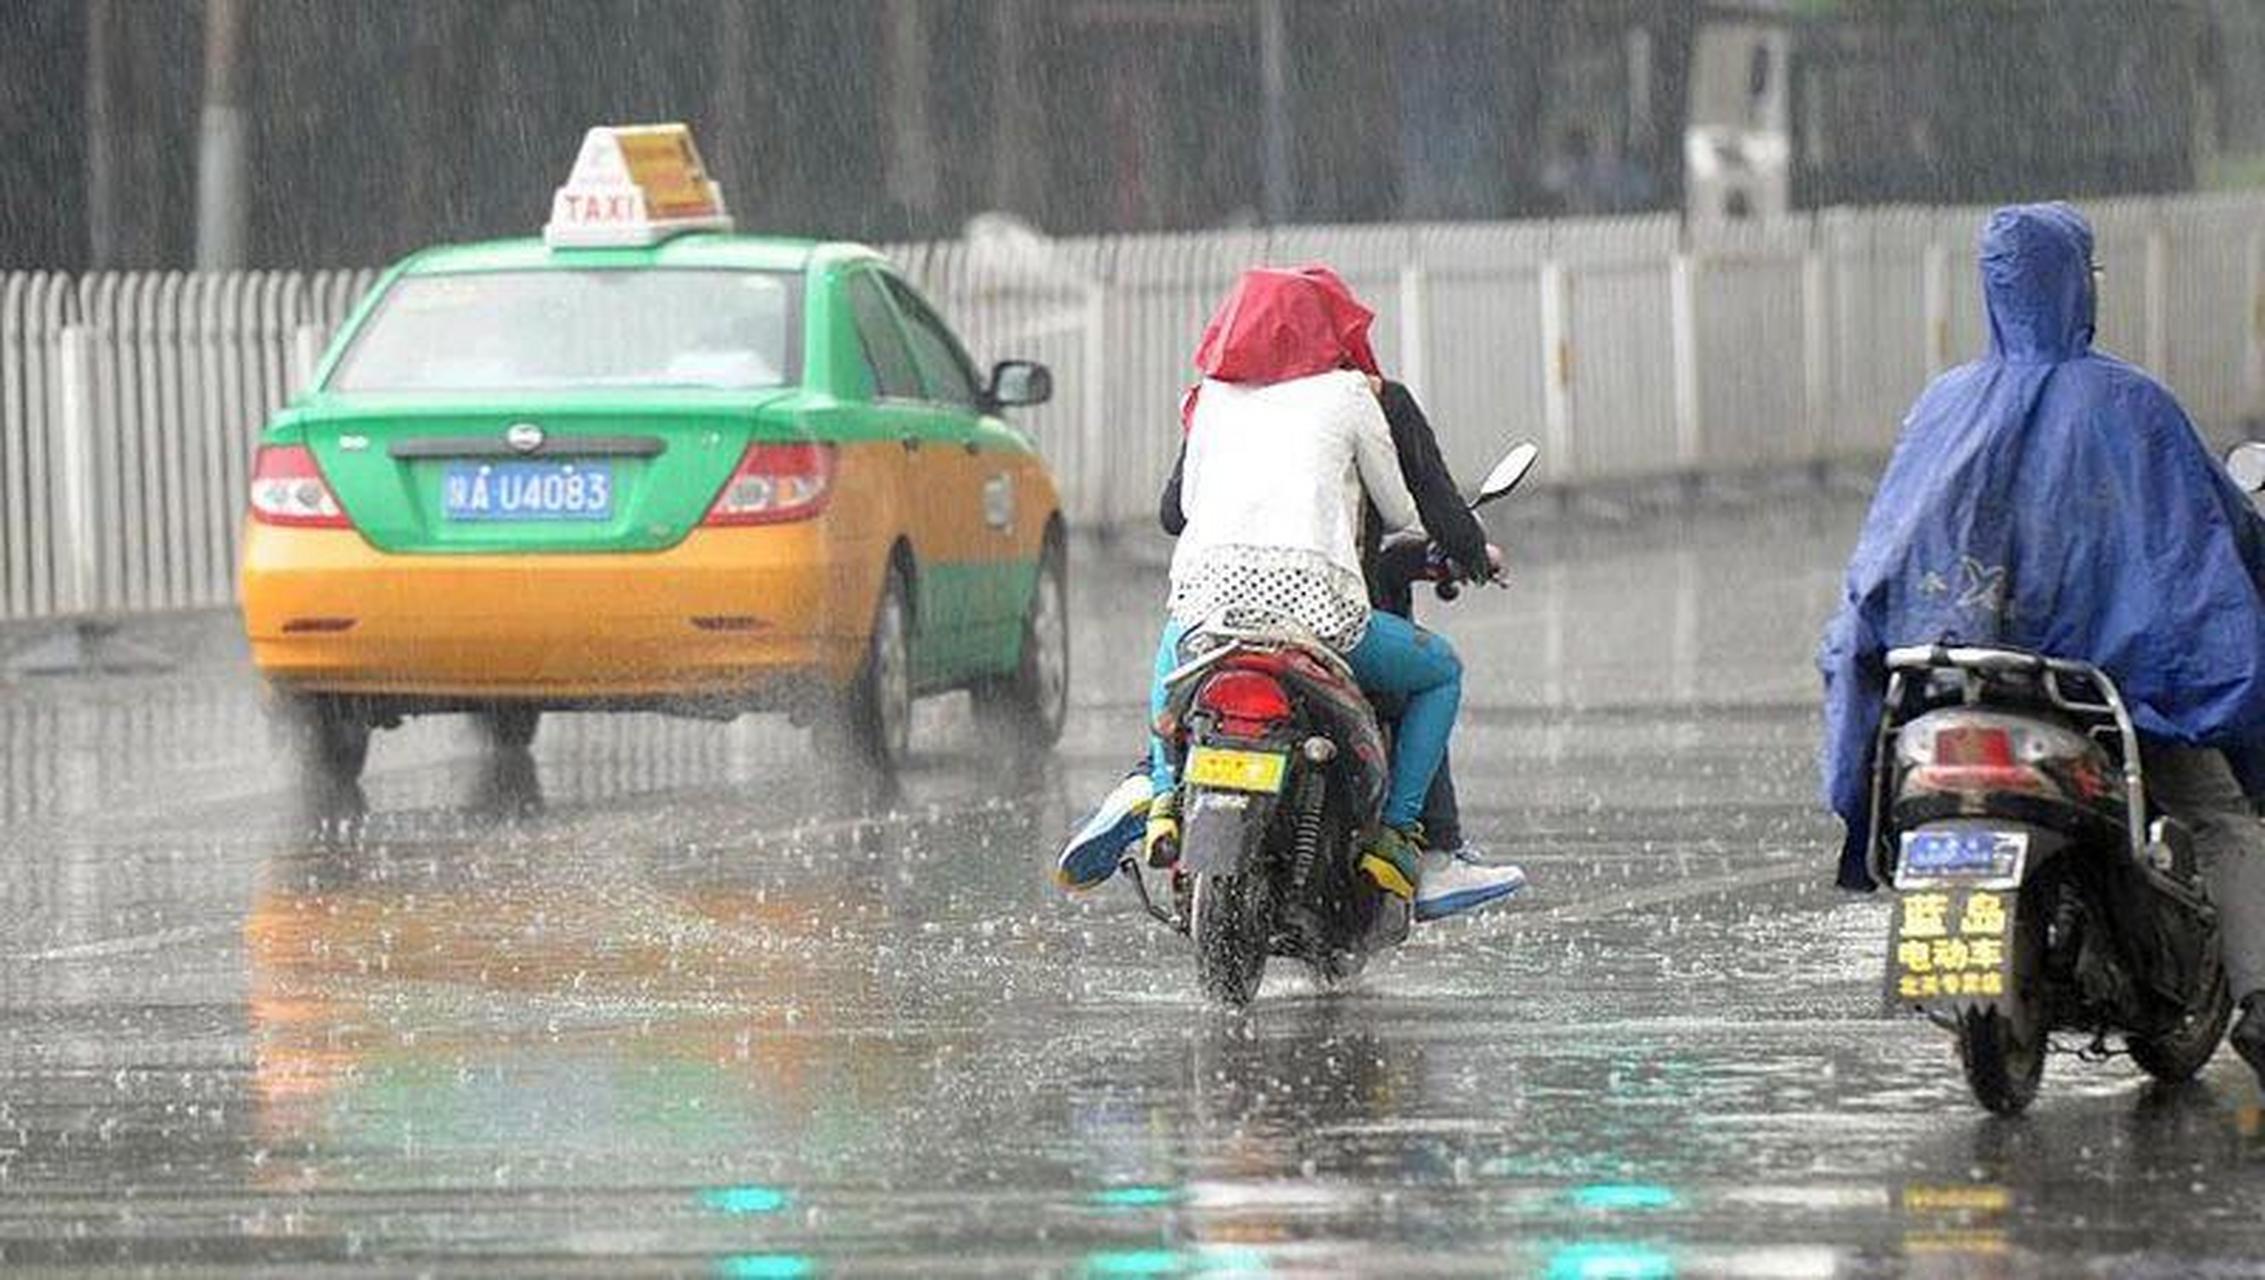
pixel 1451 882
pixel 1099 843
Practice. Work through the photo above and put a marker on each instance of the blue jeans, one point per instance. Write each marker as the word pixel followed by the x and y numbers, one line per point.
pixel 1395 657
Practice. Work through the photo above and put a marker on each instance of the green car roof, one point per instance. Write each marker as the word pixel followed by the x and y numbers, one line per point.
pixel 697 249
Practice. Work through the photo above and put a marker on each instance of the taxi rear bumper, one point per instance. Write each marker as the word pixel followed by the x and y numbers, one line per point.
pixel 728 618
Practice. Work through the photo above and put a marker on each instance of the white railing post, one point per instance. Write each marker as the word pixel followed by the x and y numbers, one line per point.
pixel 1414 317
pixel 1557 367
pixel 1683 328
pixel 1093 413
pixel 2253 405
pixel 2158 300
pixel 75 493
pixel 1816 350
pixel 306 352
pixel 1938 308
pixel 1685 639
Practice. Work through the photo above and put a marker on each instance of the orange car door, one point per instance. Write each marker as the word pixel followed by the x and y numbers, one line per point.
pixel 927 455
pixel 968 489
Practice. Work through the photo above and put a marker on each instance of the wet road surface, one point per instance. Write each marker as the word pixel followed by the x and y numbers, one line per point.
pixel 660 997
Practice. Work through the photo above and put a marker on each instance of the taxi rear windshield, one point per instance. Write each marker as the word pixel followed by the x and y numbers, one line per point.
pixel 561 330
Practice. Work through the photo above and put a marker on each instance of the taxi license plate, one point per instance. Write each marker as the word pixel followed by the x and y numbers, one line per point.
pixel 1259 771
pixel 512 491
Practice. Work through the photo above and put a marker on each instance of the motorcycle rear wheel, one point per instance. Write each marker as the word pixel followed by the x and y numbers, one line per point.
pixel 2003 1064
pixel 1227 920
pixel 2003 1049
pixel 2176 1055
pixel 1339 968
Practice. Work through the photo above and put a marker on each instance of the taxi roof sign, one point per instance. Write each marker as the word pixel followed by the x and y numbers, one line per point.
pixel 634 184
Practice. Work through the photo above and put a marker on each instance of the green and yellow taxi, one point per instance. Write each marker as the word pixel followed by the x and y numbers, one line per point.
pixel 645 463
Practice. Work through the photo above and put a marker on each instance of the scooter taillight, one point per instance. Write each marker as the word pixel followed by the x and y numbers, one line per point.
pixel 1974 745
pixel 1971 753
pixel 1247 703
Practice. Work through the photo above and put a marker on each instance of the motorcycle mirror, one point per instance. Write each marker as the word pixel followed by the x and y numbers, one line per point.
pixel 1508 473
pixel 2246 464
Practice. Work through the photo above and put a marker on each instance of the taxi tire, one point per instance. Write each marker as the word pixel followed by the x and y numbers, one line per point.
pixel 870 726
pixel 1026 710
pixel 512 727
pixel 330 741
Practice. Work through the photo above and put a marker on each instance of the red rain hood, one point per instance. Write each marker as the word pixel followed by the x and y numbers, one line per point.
pixel 1282 323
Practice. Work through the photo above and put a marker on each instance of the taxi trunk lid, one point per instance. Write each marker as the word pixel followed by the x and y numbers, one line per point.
pixel 569 475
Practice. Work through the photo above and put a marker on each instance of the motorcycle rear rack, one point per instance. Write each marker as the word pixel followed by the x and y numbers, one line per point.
pixel 1272 634
pixel 1975 663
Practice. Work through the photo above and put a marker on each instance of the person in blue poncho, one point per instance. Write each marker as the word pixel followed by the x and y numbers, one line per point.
pixel 2054 497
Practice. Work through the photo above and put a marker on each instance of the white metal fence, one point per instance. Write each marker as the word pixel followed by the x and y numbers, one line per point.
pixel 129 404
pixel 1629 348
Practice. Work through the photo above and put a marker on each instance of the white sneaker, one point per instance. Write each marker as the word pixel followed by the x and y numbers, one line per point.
pixel 1448 882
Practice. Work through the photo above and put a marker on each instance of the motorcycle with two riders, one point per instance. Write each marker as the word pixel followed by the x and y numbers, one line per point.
pixel 1282 764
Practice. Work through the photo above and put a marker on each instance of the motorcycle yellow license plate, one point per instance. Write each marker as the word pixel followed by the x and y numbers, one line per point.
pixel 1259 771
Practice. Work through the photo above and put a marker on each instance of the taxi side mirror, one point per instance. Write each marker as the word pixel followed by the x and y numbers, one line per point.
pixel 1019 382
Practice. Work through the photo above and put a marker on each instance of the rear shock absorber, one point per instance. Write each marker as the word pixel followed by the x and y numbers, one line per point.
pixel 2064 937
pixel 1307 802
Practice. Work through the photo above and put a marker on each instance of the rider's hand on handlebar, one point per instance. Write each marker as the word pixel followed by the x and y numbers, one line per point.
pixel 1444 570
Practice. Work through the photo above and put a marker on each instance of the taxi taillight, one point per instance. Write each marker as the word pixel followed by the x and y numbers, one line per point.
pixel 288 489
pixel 775 483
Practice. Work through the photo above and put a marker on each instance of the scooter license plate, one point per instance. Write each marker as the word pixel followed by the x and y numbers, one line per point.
pixel 1259 771
pixel 1951 947
pixel 1962 856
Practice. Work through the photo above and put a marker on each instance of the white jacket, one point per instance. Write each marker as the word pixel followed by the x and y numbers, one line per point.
pixel 1272 486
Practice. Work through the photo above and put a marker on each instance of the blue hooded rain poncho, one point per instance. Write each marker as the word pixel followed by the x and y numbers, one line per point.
pixel 2055 498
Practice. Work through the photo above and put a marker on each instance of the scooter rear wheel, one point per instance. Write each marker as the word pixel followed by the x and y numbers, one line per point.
pixel 2003 1063
pixel 1227 920
pixel 2003 1049
pixel 1339 968
pixel 2176 1055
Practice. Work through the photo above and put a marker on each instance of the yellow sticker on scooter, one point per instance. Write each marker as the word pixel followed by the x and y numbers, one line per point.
pixel 1260 771
pixel 1950 946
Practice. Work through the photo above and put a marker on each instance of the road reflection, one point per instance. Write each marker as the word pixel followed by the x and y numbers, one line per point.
pixel 2167 1150
pixel 1217 1156
pixel 533 995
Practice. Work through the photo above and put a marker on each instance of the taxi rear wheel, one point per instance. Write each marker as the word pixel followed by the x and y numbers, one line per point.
pixel 331 741
pixel 510 726
pixel 872 725
pixel 1028 708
